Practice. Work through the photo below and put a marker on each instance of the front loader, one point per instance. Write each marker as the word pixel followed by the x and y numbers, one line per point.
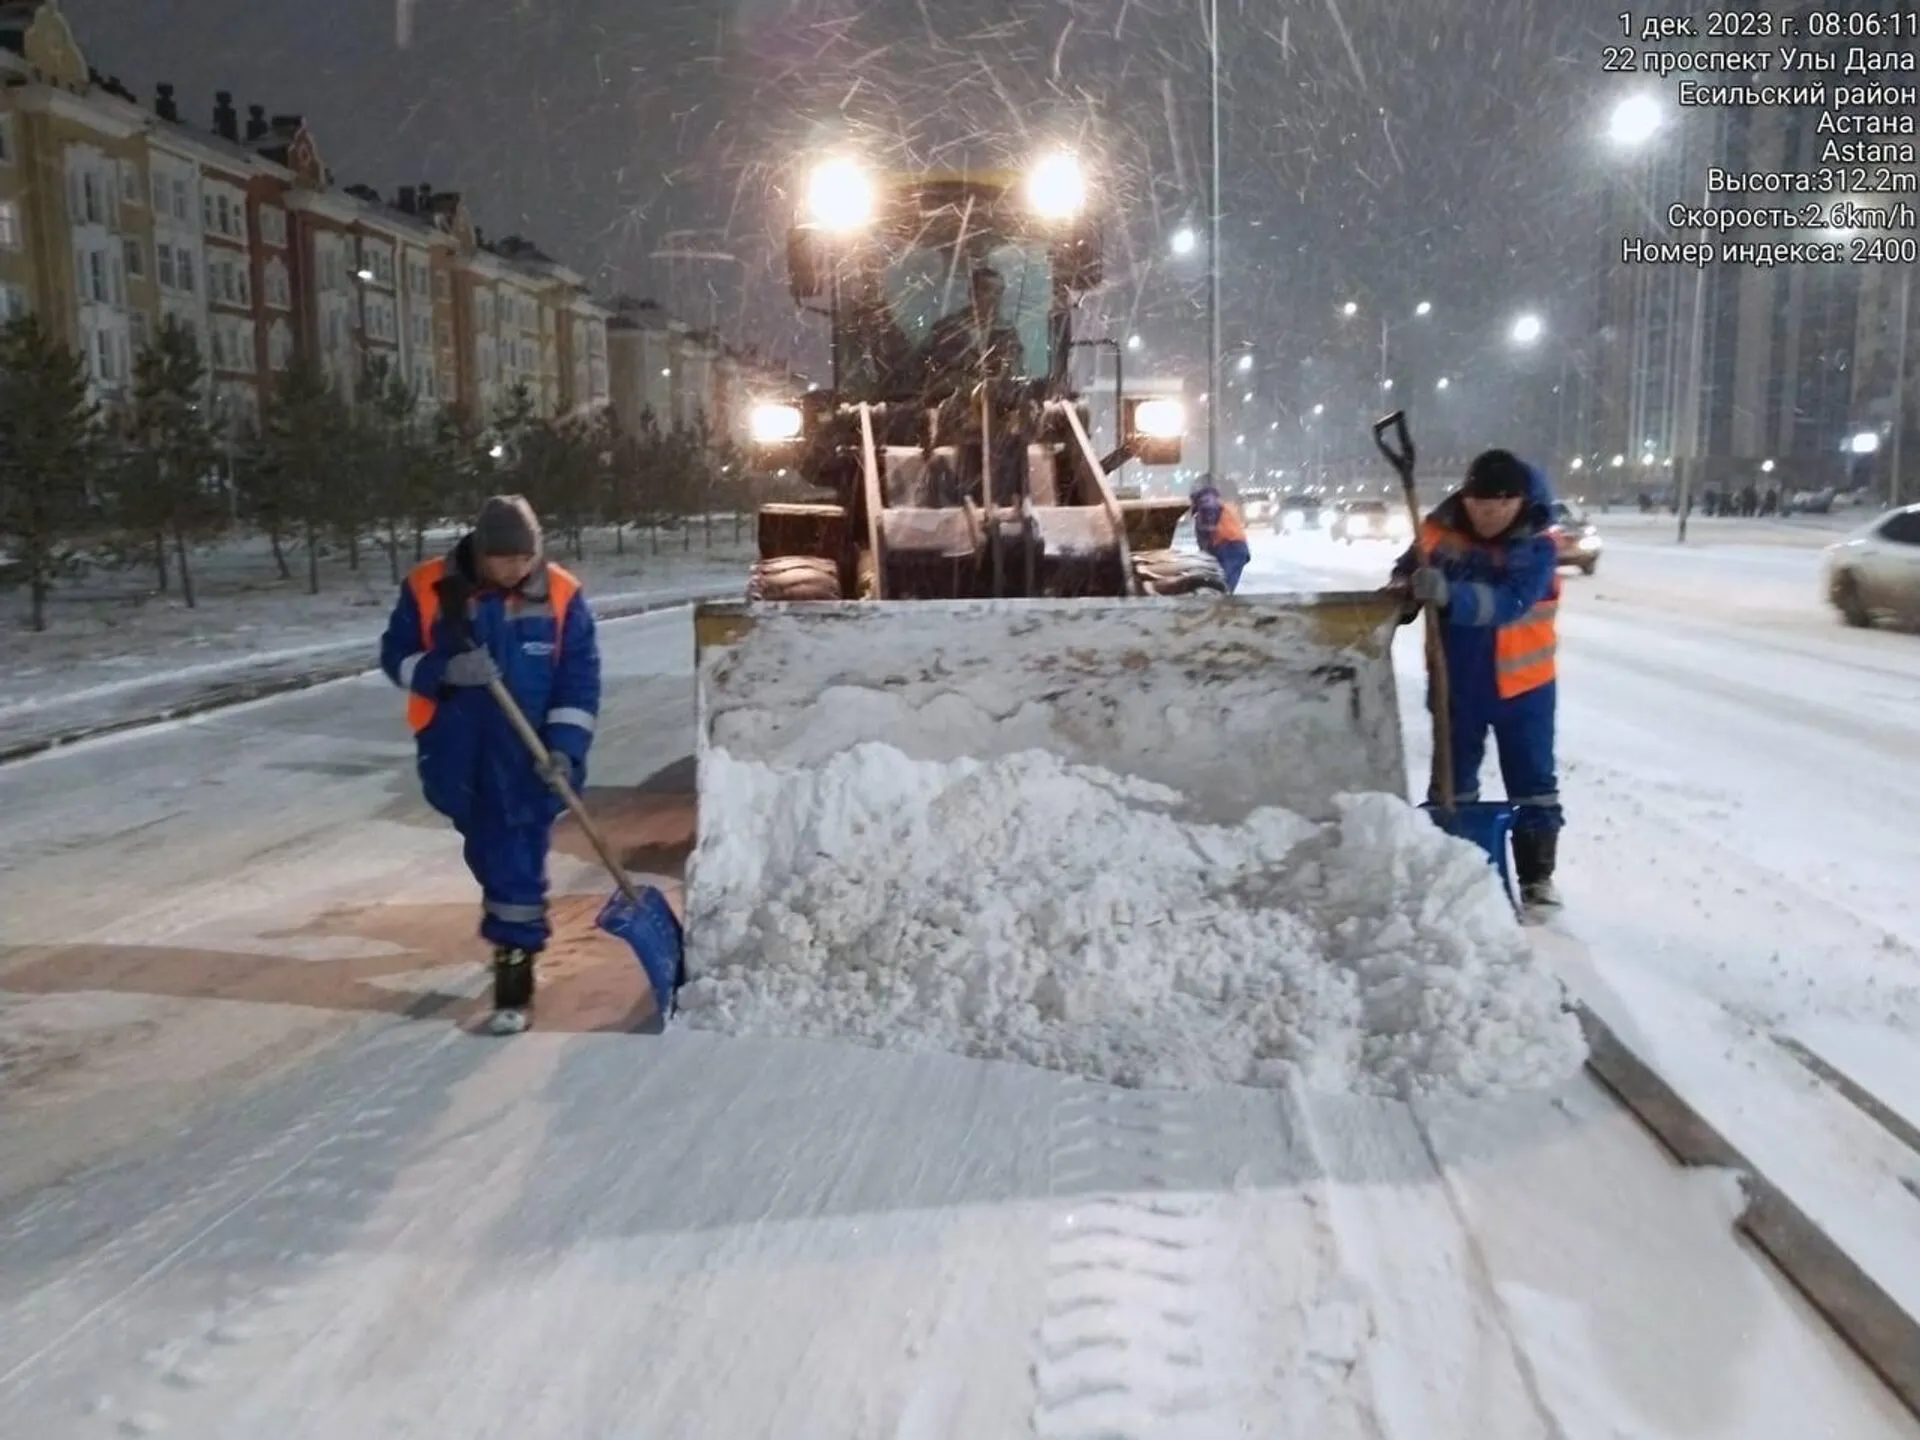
pixel 969 581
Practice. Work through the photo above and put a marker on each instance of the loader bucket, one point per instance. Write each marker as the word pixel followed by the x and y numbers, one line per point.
pixel 1237 703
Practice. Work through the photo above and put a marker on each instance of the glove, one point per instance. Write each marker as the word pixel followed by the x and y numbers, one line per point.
pixel 1430 587
pixel 471 668
pixel 559 767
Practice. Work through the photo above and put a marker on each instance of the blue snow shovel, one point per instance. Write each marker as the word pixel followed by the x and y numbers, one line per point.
pixel 637 914
pixel 1486 823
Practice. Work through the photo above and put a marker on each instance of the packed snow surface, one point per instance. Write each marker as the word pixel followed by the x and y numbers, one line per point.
pixel 1033 910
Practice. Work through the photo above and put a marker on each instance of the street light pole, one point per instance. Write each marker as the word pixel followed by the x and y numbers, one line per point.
pixel 1899 386
pixel 1213 245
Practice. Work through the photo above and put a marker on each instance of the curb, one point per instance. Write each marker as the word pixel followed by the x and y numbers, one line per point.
pixel 221 695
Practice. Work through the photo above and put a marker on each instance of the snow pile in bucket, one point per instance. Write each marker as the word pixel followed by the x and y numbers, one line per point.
pixel 1027 909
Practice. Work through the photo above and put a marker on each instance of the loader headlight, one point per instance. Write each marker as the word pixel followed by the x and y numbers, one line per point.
pixel 839 196
pixel 1056 187
pixel 769 424
pixel 1160 419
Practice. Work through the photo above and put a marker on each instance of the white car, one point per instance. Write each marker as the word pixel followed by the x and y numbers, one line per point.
pixel 1875 571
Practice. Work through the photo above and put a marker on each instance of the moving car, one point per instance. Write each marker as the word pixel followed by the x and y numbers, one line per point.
pixel 1259 507
pixel 1576 537
pixel 1358 520
pixel 1297 512
pixel 1874 573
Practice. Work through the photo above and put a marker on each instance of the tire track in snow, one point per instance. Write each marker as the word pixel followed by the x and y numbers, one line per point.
pixel 1120 1352
pixel 1192 1291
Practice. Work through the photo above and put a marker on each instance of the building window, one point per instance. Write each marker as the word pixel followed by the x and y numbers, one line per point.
pixel 130 187
pixel 273 225
pixel 279 346
pixel 13 303
pixel 183 270
pixel 135 260
pixel 9 225
pixel 442 286
pixel 6 140
pixel 206 210
pixel 182 211
pixel 137 329
pixel 279 295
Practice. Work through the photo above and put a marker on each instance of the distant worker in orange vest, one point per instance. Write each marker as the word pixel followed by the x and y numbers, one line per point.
pixel 1218 530
pixel 1486 561
pixel 495 607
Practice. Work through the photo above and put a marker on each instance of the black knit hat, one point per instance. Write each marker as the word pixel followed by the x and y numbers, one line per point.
pixel 506 525
pixel 1496 475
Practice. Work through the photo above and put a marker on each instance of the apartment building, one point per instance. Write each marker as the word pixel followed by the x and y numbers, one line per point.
pixel 115 216
pixel 685 376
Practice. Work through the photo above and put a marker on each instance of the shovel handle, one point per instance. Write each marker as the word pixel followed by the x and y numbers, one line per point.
pixel 537 748
pixel 1440 693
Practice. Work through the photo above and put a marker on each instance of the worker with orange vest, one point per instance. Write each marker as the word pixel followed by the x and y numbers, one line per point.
pixel 1218 530
pixel 1486 561
pixel 495 608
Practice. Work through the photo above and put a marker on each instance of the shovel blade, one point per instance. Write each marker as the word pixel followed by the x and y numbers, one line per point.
pixel 1486 823
pixel 652 931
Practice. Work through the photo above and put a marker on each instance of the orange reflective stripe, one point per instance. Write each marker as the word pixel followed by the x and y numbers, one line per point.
pixel 422 580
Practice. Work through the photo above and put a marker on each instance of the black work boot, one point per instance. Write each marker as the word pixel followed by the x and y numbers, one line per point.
pixel 1534 853
pixel 512 977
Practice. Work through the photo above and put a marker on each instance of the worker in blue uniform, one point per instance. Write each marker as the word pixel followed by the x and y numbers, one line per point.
pixel 494 608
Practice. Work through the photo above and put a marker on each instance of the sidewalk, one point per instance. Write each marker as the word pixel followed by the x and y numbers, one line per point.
pixel 114 658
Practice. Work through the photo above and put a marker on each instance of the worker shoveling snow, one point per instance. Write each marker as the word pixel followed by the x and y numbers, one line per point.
pixel 1032 910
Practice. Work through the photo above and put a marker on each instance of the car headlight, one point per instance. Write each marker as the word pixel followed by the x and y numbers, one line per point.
pixel 1160 419
pixel 1056 187
pixel 1588 542
pixel 839 195
pixel 774 424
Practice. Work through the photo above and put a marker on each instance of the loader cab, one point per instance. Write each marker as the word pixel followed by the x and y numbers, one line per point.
pixel 955 458
pixel 932 284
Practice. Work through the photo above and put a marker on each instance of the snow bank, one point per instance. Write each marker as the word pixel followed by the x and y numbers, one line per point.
pixel 1061 915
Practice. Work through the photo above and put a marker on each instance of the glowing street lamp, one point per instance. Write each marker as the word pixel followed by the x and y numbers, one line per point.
pixel 1635 120
pixel 1184 240
pixel 1442 383
pixel 1865 443
pixel 1527 329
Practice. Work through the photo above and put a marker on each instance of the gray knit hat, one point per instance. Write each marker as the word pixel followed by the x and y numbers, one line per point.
pixel 506 525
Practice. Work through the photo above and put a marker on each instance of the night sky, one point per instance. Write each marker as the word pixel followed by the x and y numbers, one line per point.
pixel 1380 150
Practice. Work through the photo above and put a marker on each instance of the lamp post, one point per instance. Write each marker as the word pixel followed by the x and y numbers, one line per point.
pixel 1899 385
pixel 1213 241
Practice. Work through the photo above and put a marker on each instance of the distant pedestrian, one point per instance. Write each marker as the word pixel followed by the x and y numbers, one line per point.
pixel 1219 531
pixel 1486 562
pixel 494 608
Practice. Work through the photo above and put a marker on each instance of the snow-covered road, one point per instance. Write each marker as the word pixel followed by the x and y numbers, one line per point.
pixel 256 1177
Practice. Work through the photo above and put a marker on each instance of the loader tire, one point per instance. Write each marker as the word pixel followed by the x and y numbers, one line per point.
pixel 1176 572
pixel 794 577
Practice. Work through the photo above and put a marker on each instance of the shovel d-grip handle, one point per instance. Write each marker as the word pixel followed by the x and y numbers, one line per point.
pixel 1400 454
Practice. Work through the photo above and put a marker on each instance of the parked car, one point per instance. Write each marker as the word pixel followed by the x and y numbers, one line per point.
pixel 1259 508
pixel 1874 573
pixel 1297 512
pixel 1576 538
pixel 1358 520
